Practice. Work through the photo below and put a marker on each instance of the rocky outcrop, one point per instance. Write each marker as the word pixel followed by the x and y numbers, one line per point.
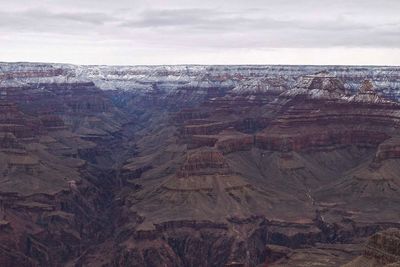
pixel 261 86
pixel 390 149
pixel 318 86
pixel 204 162
pixel 232 141
pixel 206 129
pixel 307 122
pixel 367 94
pixel 384 246
pixel 382 249
pixel 318 139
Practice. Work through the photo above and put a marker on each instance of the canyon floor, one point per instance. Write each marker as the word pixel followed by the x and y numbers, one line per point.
pixel 199 165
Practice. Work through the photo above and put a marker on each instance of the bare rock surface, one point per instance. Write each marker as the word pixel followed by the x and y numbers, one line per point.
pixel 199 165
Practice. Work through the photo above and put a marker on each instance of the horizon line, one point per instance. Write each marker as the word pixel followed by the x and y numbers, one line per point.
pixel 196 64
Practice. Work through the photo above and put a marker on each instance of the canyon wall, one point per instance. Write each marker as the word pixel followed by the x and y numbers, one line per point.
pixel 197 165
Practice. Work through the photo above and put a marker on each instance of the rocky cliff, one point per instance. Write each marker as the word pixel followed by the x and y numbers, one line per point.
pixel 382 249
pixel 197 165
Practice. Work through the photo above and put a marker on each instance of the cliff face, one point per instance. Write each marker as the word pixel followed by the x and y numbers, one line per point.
pixel 196 81
pixel 197 165
pixel 382 249
pixel 51 195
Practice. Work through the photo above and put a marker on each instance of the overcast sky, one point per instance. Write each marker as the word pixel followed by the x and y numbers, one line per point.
pixel 131 32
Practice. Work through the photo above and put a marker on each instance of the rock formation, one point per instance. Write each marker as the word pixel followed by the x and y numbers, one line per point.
pixel 382 249
pixel 198 166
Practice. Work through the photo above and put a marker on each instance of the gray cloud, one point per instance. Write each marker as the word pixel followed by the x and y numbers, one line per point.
pixel 259 28
pixel 198 26
pixel 222 20
pixel 42 20
pixel 173 18
pixel 81 17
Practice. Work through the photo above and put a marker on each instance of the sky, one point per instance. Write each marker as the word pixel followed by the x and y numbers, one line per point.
pixel 141 32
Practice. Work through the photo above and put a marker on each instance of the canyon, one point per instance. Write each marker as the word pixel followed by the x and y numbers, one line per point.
pixel 199 165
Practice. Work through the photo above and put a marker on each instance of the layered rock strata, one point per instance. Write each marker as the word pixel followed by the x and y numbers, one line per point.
pixel 222 166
